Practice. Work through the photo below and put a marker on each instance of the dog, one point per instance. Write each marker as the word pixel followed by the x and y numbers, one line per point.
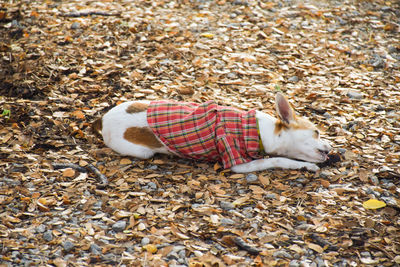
pixel 238 139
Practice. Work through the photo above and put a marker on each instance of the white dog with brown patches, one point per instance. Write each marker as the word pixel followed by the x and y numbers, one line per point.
pixel 237 139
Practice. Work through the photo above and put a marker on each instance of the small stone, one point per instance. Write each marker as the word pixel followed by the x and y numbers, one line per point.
pixel 226 205
pixel 293 79
pixel 95 249
pixel 365 254
pixel 75 25
pixel 282 254
pixel 261 234
pixel 119 226
pixel 354 94
pixel 68 246
pixel 320 262
pixel 331 29
pixel 48 236
pixel 41 228
pixel 15 24
pixel 141 226
pixel 231 75
pixel 152 186
pixel 198 253
pixel 227 221
pixel 15 254
pixel 145 241
pixel 377 61
pixel 251 177
pixel 270 196
pixel 176 249
pixel 325 174
pixel 294 263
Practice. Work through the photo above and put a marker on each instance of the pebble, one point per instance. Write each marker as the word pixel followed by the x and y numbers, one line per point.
pixel 68 246
pixel 305 226
pixel 270 196
pixel 15 254
pixel 390 201
pixel 95 249
pixel 251 177
pixel 145 241
pixel 354 94
pixel 293 79
pixel 15 24
pixel 226 205
pixel 227 221
pixel 151 186
pixel 41 228
pixel 294 263
pixel 365 254
pixel 325 174
pixel 282 254
pixel 198 253
pixel 119 226
pixel 320 262
pixel 75 25
pixel 231 75
pixel 377 61
pixel 48 236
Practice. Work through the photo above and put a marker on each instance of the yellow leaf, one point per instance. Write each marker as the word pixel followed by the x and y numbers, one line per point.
pixel 207 35
pixel 125 161
pixel 374 204
pixel 150 248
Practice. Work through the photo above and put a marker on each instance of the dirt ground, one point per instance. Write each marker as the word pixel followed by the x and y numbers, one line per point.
pixel 65 63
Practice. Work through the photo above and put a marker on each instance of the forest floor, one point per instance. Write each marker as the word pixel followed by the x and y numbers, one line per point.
pixel 65 63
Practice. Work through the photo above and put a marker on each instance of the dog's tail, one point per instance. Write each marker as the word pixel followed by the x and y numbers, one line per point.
pixel 97 126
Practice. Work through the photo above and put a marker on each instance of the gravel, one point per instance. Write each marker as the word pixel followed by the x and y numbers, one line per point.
pixel 48 236
pixel 251 177
pixel 68 246
pixel 119 226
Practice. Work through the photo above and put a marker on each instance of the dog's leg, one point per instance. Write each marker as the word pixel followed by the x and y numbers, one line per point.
pixel 263 164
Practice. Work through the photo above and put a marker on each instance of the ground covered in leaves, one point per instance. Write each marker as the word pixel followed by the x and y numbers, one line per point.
pixel 65 63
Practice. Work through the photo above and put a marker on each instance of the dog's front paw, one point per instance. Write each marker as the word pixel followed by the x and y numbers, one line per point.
pixel 311 167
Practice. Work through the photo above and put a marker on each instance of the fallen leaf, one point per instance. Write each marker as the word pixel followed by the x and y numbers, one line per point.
pixel 315 247
pixel 373 204
pixel 69 172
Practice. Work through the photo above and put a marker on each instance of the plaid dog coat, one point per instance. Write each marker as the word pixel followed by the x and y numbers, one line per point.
pixel 206 131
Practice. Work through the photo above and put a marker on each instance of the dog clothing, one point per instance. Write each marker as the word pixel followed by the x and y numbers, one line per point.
pixel 206 131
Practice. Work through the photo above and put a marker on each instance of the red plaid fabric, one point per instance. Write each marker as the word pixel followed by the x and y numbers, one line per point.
pixel 206 131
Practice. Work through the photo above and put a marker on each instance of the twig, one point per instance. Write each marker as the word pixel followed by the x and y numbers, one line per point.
pixel 243 245
pixel 58 166
pixel 101 177
pixel 89 13
pixel 381 249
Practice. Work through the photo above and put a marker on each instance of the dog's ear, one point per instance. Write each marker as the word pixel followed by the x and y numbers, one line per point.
pixel 284 109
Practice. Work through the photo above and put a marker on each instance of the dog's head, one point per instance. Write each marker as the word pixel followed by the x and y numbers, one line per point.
pixel 302 138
